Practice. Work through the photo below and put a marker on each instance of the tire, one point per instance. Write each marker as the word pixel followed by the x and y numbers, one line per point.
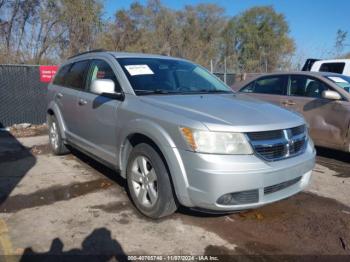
pixel 55 138
pixel 149 182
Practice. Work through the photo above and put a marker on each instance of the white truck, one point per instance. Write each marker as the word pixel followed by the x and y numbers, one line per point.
pixel 340 66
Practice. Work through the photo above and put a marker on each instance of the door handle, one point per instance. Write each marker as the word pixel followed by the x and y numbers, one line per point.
pixel 59 95
pixel 288 103
pixel 82 102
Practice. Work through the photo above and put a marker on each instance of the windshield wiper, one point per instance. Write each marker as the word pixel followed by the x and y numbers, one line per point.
pixel 214 91
pixel 155 91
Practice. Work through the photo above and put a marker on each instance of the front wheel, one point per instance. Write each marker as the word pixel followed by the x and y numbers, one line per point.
pixel 56 142
pixel 149 182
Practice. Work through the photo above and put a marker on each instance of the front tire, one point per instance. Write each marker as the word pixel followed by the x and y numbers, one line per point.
pixel 55 137
pixel 149 182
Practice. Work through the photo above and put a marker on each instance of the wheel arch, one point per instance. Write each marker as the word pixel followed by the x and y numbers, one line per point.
pixel 143 131
pixel 53 110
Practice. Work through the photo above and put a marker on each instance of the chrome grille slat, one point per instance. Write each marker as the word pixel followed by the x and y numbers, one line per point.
pixel 279 144
pixel 298 130
pixel 256 136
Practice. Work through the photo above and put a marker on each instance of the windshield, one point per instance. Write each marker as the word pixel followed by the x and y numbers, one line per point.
pixel 341 81
pixel 169 76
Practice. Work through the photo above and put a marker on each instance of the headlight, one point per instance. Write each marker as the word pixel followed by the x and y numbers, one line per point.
pixel 216 142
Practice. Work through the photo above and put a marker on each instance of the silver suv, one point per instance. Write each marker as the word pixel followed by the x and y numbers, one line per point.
pixel 177 133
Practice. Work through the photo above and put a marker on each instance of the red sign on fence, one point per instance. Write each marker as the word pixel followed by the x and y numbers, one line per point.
pixel 47 73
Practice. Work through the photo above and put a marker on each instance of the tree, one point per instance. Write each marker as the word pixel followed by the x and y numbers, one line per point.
pixel 34 31
pixel 201 33
pixel 259 40
pixel 48 31
pixel 193 32
pixel 340 42
pixel 82 20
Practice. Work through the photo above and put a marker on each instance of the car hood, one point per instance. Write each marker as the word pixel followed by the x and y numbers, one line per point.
pixel 227 112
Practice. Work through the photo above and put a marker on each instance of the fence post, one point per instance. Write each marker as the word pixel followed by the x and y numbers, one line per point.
pixel 225 72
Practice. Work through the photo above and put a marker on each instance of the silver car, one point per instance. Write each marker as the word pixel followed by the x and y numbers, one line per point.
pixel 177 133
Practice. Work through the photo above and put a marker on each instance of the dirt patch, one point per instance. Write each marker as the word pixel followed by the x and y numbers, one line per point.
pixel 303 224
pixel 51 195
pixel 41 149
pixel 32 130
pixel 113 207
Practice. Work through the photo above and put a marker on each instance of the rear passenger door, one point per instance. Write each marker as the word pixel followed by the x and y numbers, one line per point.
pixel 98 114
pixel 70 84
pixel 272 89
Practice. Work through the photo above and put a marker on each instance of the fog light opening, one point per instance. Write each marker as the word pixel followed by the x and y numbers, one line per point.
pixel 239 198
pixel 225 199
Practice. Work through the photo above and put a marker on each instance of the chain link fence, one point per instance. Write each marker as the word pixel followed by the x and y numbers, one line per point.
pixel 22 95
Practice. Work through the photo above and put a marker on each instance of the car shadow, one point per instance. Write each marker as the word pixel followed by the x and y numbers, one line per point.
pixel 202 213
pixel 335 160
pixel 98 246
pixel 15 162
pixel 101 168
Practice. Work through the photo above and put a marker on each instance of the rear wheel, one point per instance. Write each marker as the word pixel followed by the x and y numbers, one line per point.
pixel 55 137
pixel 149 182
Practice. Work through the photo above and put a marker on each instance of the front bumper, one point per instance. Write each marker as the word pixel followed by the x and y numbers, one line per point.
pixel 212 176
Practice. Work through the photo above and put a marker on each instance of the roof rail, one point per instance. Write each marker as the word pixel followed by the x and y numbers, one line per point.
pixel 87 52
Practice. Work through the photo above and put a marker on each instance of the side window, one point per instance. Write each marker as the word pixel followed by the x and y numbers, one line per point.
pixel 100 69
pixel 274 85
pixel 332 67
pixel 248 88
pixel 61 75
pixel 306 86
pixel 76 75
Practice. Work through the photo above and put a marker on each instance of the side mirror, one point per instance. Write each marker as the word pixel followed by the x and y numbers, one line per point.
pixel 105 87
pixel 332 95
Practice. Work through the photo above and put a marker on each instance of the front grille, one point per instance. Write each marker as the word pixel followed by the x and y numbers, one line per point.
pixel 298 130
pixel 279 144
pixel 266 135
pixel 280 186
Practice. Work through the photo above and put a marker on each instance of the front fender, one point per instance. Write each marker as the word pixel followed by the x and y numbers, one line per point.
pixel 168 148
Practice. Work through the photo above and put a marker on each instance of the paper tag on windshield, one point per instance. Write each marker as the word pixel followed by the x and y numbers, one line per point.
pixel 337 79
pixel 135 70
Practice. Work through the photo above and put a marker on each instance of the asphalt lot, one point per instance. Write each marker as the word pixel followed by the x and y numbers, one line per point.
pixel 73 205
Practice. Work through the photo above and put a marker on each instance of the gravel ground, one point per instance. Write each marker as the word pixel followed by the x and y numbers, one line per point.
pixel 73 205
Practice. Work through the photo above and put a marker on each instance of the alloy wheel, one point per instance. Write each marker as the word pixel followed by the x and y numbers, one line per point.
pixel 144 181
